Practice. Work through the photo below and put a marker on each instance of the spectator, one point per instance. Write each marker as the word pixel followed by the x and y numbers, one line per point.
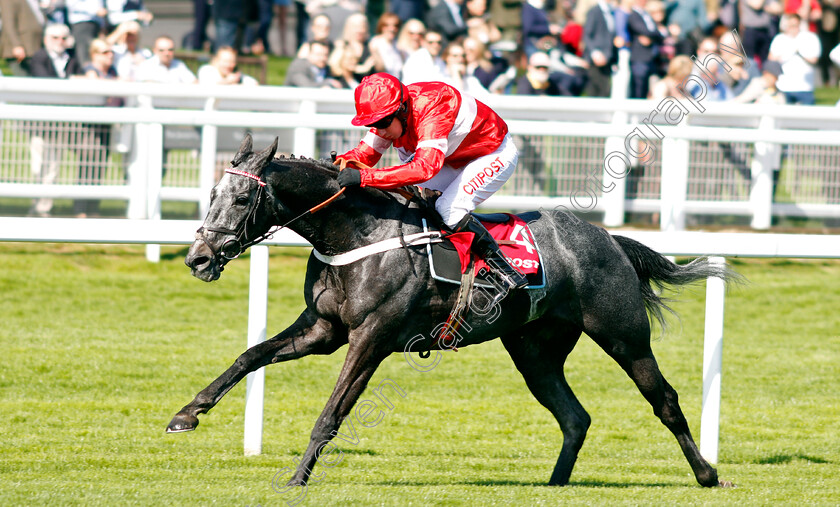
pixel 85 18
pixel 45 142
pixel 599 48
pixel 281 12
pixel 678 70
pixel 311 72
pixel 645 40
pixel 480 62
pixel 356 35
pixel 55 11
pixel 201 15
pixel 668 47
pixel 409 9
pixel 54 59
pixel 479 25
pixel 447 18
pixel 230 18
pixel 709 84
pixel 222 70
pixel 538 33
pixel 20 38
pixel 741 71
pixel 757 19
pixel 456 75
pixel 411 36
pixel 809 12
pixel 163 67
pixel 797 51
pixel 537 79
pixel 342 64
pixel 256 32
pixel 120 11
pixel 128 55
pixel 762 90
pixel 425 64
pixel 95 144
pixel 383 46
pixel 687 21
pixel 828 30
pixel 320 27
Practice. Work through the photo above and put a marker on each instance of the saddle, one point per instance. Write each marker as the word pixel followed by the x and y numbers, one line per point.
pixel 450 260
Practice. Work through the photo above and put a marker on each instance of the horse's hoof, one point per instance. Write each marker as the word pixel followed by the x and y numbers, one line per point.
pixel 726 484
pixel 181 423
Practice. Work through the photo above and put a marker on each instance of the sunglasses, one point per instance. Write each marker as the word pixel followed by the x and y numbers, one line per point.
pixel 541 67
pixel 383 123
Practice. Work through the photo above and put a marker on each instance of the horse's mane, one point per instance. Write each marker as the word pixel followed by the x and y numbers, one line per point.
pixel 321 164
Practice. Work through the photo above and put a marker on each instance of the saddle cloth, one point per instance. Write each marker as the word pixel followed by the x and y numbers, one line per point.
pixel 449 259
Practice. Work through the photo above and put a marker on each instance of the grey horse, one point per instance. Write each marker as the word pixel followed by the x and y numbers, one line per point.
pixel 597 284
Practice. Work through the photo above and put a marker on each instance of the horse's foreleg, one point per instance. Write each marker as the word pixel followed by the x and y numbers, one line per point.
pixel 539 354
pixel 308 335
pixel 359 366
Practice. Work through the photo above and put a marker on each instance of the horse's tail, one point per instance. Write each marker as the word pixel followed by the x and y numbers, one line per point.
pixel 658 273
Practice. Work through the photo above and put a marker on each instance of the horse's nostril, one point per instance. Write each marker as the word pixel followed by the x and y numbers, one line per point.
pixel 200 261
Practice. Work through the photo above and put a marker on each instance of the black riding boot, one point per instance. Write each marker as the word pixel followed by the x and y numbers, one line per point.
pixel 486 247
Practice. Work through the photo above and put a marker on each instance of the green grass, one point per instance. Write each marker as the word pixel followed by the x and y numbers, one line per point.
pixel 101 348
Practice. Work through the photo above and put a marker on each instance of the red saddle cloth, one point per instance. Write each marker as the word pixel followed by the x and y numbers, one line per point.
pixel 515 239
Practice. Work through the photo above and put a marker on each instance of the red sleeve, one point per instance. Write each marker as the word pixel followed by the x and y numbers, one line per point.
pixel 426 164
pixel 364 153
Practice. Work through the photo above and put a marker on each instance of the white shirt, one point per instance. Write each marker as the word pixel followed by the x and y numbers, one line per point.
pixel 797 74
pixel 208 74
pixel 153 71
pixel 420 66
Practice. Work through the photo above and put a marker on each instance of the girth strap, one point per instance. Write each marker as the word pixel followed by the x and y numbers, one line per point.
pixel 418 239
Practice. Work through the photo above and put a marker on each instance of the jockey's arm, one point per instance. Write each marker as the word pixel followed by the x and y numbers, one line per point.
pixel 427 162
pixel 369 150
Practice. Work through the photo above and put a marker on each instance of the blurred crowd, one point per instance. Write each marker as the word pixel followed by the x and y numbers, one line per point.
pixel 751 50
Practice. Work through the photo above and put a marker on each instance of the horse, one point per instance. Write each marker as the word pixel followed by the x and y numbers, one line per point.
pixel 595 283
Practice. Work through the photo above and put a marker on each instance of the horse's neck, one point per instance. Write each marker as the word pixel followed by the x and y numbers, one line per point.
pixel 357 219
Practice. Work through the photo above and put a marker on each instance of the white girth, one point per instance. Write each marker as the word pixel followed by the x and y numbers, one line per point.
pixel 418 239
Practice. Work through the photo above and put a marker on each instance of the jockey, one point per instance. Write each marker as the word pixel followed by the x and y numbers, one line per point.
pixel 447 141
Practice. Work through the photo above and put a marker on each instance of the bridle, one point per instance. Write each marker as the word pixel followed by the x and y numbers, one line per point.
pixel 233 248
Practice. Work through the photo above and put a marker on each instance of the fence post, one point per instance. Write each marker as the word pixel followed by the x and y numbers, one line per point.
pixel 305 137
pixel 207 170
pixel 712 365
pixel 614 199
pixel 154 180
pixel 257 317
pixel 761 186
pixel 138 165
pixel 674 186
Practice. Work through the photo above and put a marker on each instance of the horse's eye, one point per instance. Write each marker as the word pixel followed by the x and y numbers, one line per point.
pixel 242 200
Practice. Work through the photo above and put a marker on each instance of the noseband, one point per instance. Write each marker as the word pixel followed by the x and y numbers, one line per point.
pixel 233 248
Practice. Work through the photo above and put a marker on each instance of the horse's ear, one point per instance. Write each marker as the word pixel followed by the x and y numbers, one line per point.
pixel 264 157
pixel 245 149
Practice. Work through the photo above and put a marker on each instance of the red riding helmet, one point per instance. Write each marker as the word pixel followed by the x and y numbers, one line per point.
pixel 376 97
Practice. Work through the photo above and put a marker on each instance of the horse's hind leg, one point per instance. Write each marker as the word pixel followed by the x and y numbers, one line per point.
pixel 539 352
pixel 630 347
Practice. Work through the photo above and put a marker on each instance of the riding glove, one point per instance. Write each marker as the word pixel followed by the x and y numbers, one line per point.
pixel 350 177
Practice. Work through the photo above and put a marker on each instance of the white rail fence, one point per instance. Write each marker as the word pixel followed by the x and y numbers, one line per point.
pixel 718 159
pixel 684 243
